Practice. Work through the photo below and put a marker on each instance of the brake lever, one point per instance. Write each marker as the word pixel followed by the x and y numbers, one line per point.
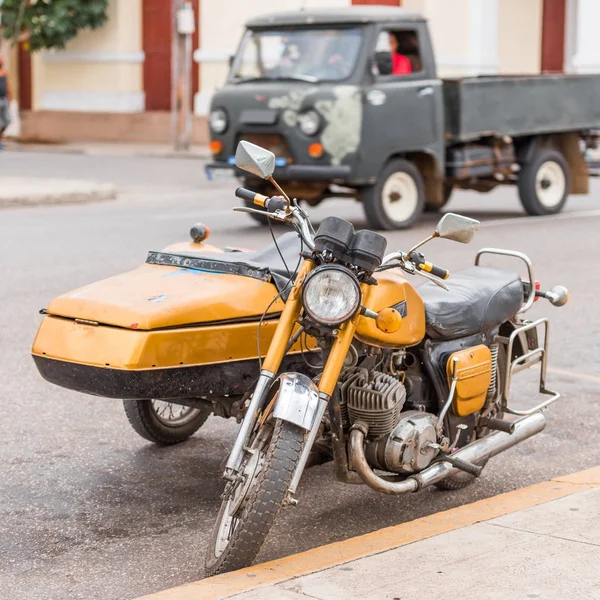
pixel 264 213
pixel 431 278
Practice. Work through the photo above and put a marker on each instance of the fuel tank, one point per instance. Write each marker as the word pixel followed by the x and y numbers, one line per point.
pixel 393 291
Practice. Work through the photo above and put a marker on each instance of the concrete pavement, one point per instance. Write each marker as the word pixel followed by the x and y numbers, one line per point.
pixel 542 541
pixel 88 510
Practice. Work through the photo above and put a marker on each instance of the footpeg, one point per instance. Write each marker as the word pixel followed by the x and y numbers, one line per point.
pixel 463 465
pixel 497 424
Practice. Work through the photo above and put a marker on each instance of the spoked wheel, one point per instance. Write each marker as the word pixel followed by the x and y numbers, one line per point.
pixel 251 504
pixel 164 423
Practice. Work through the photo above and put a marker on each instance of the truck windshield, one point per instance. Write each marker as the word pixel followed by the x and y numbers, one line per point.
pixel 299 54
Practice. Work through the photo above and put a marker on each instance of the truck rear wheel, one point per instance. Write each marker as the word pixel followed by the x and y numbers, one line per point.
pixel 397 200
pixel 544 183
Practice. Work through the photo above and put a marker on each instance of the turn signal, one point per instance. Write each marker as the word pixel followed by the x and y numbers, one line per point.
pixel 388 320
pixel 315 150
pixel 199 232
pixel 216 147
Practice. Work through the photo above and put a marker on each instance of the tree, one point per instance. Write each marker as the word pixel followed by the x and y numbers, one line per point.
pixel 44 24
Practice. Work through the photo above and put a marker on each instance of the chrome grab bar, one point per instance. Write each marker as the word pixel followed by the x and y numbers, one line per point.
pixel 512 253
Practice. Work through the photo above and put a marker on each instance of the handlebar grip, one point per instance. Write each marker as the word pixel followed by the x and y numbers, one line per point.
pixel 251 196
pixel 434 270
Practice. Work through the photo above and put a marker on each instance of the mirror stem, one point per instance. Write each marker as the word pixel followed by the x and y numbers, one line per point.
pixel 431 237
pixel 272 180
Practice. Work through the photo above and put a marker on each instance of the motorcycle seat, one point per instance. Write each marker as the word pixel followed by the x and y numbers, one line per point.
pixel 479 299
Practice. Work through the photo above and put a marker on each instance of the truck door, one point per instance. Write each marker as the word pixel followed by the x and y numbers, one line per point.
pixel 403 101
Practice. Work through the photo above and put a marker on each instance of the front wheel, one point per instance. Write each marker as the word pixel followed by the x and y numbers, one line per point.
pixel 251 504
pixel 164 423
pixel 544 183
pixel 397 200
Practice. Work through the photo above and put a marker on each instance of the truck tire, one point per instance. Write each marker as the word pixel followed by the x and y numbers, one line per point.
pixel 544 182
pixel 397 200
pixel 448 189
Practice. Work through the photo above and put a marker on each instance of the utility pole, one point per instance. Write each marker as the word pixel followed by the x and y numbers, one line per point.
pixel 184 25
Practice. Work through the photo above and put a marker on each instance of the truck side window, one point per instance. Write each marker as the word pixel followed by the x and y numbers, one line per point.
pixel 397 53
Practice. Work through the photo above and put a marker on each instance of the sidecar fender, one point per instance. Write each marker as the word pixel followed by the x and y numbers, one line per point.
pixel 297 400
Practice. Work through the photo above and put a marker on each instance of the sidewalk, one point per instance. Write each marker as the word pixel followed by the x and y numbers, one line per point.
pixel 29 191
pixel 110 149
pixel 542 541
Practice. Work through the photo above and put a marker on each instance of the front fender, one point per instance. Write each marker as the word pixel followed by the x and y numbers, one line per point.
pixel 297 400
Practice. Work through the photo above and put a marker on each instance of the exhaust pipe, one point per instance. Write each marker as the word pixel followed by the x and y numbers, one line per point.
pixel 487 447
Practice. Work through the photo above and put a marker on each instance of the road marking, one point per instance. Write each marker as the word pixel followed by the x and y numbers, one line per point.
pixel 318 559
pixel 574 374
pixel 529 219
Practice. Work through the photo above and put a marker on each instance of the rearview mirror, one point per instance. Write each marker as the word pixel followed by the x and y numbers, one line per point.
pixel 456 227
pixel 255 160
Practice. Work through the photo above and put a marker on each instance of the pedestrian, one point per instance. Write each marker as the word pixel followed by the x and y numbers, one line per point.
pixel 5 98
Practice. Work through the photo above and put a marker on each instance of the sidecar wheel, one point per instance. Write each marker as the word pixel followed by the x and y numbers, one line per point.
pixel 164 423
pixel 250 506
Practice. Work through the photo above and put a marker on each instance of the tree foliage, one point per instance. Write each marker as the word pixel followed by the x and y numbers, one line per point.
pixel 44 24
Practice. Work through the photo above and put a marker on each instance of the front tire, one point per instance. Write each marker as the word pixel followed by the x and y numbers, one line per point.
pixel 249 509
pixel 397 200
pixel 544 183
pixel 164 423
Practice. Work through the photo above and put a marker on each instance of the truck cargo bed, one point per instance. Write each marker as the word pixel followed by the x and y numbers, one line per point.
pixel 520 105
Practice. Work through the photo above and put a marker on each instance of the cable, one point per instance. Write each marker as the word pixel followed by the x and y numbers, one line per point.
pixel 285 287
pixel 277 246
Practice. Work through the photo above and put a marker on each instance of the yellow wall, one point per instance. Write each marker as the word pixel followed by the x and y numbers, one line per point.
pixel 103 60
pixel 520 36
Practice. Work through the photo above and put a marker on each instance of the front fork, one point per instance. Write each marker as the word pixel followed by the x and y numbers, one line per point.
pixel 271 364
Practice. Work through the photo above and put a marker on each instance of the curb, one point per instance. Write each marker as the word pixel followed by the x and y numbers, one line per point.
pixel 33 191
pixel 324 557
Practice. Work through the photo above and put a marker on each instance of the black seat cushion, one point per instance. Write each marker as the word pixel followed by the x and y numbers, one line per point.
pixel 479 299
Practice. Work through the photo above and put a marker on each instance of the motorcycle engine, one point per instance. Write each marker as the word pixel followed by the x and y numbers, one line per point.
pixel 397 441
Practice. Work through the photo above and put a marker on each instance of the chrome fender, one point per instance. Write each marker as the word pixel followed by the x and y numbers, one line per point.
pixel 297 400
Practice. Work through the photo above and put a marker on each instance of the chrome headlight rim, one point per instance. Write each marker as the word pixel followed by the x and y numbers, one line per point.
pixel 309 123
pixel 219 120
pixel 349 314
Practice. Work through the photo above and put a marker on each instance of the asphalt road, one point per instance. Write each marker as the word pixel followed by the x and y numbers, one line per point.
pixel 90 510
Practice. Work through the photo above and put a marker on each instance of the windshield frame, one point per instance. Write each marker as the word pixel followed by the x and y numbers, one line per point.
pixel 312 27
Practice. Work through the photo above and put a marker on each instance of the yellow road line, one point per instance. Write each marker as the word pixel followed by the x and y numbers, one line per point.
pixel 574 374
pixel 317 559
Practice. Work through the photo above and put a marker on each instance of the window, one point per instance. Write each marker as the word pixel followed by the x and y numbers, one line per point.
pixel 303 54
pixel 397 53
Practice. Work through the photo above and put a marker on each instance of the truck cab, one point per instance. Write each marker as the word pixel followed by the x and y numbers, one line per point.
pixel 318 89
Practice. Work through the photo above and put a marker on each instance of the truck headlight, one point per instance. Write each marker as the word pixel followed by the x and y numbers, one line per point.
pixel 331 295
pixel 218 120
pixel 309 122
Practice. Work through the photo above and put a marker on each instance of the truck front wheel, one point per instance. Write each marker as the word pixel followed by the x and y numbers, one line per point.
pixel 544 183
pixel 397 200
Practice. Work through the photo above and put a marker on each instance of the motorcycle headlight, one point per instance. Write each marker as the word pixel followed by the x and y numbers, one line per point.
pixel 331 295
pixel 218 120
pixel 309 122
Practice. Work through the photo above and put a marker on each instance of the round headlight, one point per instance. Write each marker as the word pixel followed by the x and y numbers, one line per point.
pixel 309 122
pixel 331 295
pixel 218 120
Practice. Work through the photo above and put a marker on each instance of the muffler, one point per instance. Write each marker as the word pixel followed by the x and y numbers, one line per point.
pixel 487 447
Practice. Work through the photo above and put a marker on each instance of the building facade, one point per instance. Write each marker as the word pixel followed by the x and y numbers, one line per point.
pixel 115 83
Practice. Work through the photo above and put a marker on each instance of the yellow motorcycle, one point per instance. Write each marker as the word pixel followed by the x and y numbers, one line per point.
pixel 320 347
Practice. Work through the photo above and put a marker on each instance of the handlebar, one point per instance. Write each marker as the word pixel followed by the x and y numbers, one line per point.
pixel 423 265
pixel 251 196
pixel 271 204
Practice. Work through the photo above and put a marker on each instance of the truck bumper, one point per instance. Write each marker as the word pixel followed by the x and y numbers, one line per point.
pixel 218 169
